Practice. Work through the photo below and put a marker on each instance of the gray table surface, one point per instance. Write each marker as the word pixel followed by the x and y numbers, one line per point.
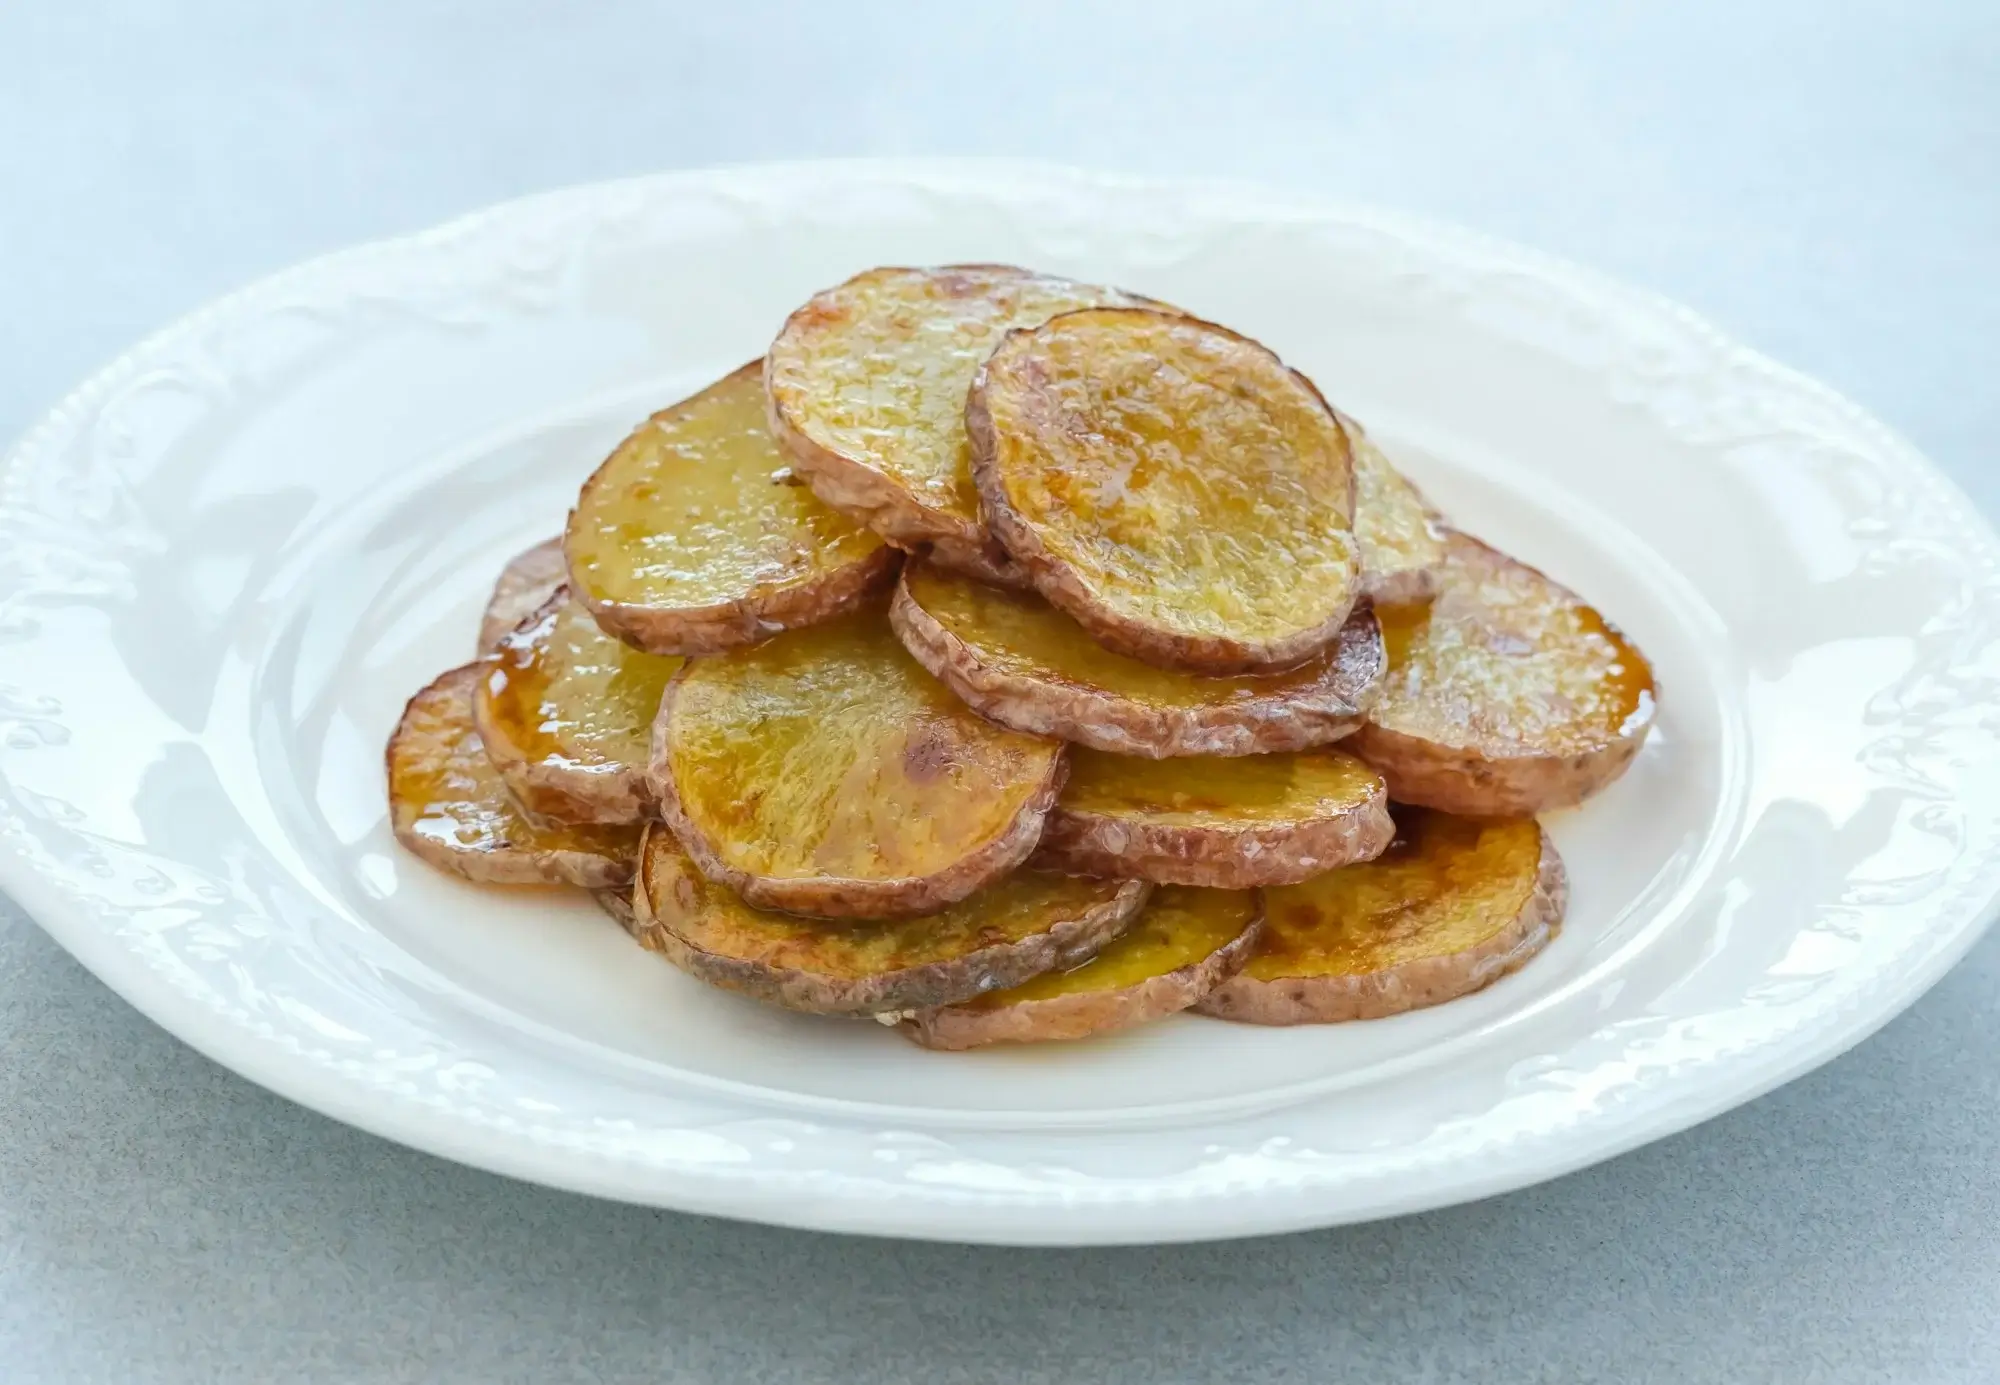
pixel 1824 180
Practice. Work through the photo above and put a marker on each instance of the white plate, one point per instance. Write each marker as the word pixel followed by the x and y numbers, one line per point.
pixel 226 561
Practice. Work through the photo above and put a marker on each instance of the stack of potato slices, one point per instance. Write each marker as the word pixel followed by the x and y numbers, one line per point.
pixel 1006 658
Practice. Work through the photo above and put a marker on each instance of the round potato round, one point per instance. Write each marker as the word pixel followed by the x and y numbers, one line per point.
pixel 1172 486
pixel 1401 537
pixel 697 536
pixel 566 714
pixel 867 385
pixel 1229 824
pixel 1017 660
pixel 1506 696
pixel 826 773
pixel 1184 943
pixel 1029 923
pixel 448 805
pixel 1453 905
pixel 529 579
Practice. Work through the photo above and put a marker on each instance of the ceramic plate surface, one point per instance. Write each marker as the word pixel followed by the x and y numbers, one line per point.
pixel 226 561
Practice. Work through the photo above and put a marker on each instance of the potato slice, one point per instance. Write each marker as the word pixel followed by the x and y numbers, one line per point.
pixel 1401 537
pixel 867 384
pixel 566 714
pixel 1170 485
pixel 1018 661
pixel 1022 926
pixel 1507 695
pixel 1453 905
pixel 696 535
pixel 826 773
pixel 528 580
pixel 1228 824
pixel 1183 944
pixel 449 805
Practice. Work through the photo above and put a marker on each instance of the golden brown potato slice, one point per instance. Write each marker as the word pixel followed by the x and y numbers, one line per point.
pixel 1453 905
pixel 1026 924
pixel 1507 695
pixel 826 773
pixel 566 714
pixel 868 382
pixel 1184 943
pixel 1229 824
pixel 528 580
pixel 1400 535
pixel 696 535
pixel 449 805
pixel 1170 485
pixel 618 904
pixel 1018 661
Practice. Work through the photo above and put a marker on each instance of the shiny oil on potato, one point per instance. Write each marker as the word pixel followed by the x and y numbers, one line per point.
pixel 1171 486
pixel 566 714
pixel 826 773
pixel 449 806
pixel 695 535
pixel 868 381
pixel 1454 904
pixel 1506 695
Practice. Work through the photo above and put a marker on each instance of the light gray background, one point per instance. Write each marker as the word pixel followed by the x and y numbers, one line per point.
pixel 1823 179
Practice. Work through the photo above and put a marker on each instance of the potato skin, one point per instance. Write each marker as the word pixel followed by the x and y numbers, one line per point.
pixel 1472 783
pixel 1085 1013
pixel 1415 985
pixel 1127 726
pixel 839 898
pixel 1082 842
pixel 1067 943
pixel 435 732
pixel 559 791
pixel 529 579
pixel 1066 589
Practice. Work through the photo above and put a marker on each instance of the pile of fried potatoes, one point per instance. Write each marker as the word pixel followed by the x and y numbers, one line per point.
pixel 1007 658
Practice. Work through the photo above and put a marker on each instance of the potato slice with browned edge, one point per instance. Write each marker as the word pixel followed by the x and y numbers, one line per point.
pixel 867 384
pixel 1029 923
pixel 1170 485
pixel 1184 943
pixel 1507 695
pixel 449 805
pixel 1229 824
pixel 566 714
pixel 1017 660
pixel 1400 535
pixel 529 579
pixel 1453 905
pixel 826 773
pixel 696 535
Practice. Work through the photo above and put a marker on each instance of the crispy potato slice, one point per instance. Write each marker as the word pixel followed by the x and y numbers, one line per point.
pixel 826 773
pixel 867 384
pixel 529 579
pixel 1507 695
pixel 566 714
pixel 696 535
pixel 449 805
pixel 1401 537
pixel 1017 660
pixel 1453 905
pixel 1228 824
pixel 1171 485
pixel 618 904
pixel 1022 926
pixel 1183 944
